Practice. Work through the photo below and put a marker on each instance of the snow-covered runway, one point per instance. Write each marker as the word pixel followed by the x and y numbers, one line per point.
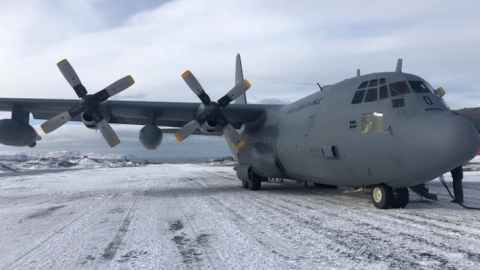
pixel 199 217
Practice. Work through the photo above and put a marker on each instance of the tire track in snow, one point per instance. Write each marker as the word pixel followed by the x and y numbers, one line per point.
pixel 210 253
pixel 432 239
pixel 417 255
pixel 45 243
pixel 263 235
pixel 111 250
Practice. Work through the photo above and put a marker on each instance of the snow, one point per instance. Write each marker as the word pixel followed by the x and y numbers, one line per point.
pixel 197 216
pixel 28 161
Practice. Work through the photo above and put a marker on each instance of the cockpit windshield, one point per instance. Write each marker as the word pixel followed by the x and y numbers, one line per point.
pixel 399 88
pixel 419 87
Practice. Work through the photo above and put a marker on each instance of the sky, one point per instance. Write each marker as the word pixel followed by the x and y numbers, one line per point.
pixel 156 41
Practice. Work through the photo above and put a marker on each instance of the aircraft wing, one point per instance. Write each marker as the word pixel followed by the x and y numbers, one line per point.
pixel 168 114
pixel 471 114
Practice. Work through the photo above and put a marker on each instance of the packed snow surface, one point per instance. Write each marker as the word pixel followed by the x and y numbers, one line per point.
pixel 188 216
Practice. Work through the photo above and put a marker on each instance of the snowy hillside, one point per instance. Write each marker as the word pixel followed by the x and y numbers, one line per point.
pixel 13 162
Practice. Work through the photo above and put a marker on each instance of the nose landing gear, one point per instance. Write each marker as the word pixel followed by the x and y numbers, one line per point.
pixel 384 197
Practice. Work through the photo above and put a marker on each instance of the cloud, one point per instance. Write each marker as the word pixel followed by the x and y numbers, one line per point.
pixel 302 41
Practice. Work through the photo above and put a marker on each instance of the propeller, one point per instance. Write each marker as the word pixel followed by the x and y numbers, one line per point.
pixel 213 110
pixel 89 104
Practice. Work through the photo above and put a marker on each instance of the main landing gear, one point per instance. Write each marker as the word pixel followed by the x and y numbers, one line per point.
pixel 254 182
pixel 385 197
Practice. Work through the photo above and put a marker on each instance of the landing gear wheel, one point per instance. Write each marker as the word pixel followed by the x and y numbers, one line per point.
pixel 382 196
pixel 400 199
pixel 255 182
pixel 245 184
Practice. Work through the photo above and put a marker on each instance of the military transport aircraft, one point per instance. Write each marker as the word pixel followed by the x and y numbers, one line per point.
pixel 383 131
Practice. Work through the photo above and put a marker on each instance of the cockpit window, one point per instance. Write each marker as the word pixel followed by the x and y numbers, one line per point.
pixel 358 97
pixel 419 87
pixel 363 85
pixel 371 95
pixel 383 92
pixel 382 81
pixel 373 83
pixel 399 88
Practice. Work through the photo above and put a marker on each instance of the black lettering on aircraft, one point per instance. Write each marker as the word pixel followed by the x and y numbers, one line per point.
pixel 428 100
pixel 303 106
pixel 353 124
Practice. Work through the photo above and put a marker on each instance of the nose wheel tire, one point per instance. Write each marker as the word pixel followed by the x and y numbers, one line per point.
pixel 245 184
pixel 400 198
pixel 382 196
pixel 255 181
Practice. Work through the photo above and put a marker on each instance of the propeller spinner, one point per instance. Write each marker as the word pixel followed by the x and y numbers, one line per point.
pixel 89 104
pixel 213 110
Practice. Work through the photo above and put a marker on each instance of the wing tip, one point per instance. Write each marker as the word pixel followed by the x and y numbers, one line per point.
pixel 179 138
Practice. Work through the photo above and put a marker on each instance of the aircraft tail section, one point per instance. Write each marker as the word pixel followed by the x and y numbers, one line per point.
pixel 240 100
pixel 238 79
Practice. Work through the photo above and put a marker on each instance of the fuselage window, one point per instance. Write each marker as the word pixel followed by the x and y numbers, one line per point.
pixel 372 122
pixel 397 103
pixel 373 83
pixel 371 95
pixel 399 88
pixel 358 97
pixel 383 92
pixel 383 81
pixel 419 87
pixel 363 85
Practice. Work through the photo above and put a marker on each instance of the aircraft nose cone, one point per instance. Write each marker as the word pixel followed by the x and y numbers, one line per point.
pixel 436 142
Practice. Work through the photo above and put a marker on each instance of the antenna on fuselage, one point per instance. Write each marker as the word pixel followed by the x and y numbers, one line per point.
pixel 399 65
pixel 358 72
pixel 321 89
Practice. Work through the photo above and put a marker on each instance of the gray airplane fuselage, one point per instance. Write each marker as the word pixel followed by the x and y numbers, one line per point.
pixel 398 132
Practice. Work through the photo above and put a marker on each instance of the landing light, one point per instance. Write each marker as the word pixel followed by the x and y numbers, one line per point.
pixel 378 114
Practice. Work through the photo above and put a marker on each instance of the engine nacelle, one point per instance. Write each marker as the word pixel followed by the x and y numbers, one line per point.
pixel 16 133
pixel 210 126
pixel 88 121
pixel 151 137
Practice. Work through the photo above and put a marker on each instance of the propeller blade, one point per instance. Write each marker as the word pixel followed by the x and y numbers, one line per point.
pixel 72 78
pixel 229 131
pixel 233 136
pixel 60 119
pixel 108 133
pixel 187 130
pixel 233 94
pixel 56 122
pixel 115 88
pixel 193 83
pixel 190 127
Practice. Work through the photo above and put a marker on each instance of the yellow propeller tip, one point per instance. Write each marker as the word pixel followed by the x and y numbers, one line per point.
pixel 130 78
pixel 178 137
pixel 115 143
pixel 44 128
pixel 186 73
pixel 247 83
pixel 63 62
pixel 240 144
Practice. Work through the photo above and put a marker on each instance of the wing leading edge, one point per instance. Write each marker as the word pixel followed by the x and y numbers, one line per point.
pixel 167 114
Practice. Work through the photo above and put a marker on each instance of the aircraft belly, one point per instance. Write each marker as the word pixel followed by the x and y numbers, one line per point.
pixel 374 159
